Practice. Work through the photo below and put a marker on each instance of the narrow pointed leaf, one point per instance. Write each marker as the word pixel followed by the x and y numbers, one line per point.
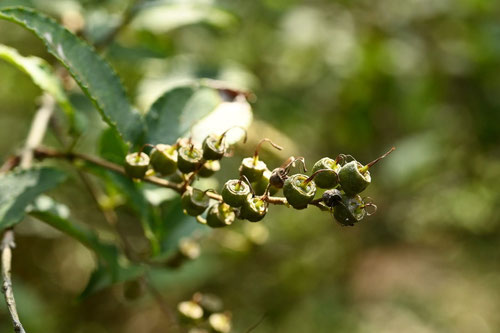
pixel 42 75
pixel 96 78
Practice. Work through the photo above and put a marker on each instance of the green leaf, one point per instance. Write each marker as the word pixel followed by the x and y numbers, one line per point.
pixel 111 147
pixel 198 110
pixel 42 75
pixel 112 267
pixel 96 78
pixel 19 188
pixel 140 206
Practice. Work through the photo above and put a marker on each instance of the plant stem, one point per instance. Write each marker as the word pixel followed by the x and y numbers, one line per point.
pixel 43 152
pixel 37 130
pixel 6 248
pixel 35 136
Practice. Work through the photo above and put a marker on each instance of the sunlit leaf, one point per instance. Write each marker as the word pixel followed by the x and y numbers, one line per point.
pixel 196 110
pixel 42 75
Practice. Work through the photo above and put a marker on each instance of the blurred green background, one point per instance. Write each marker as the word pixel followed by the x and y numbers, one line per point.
pixel 330 77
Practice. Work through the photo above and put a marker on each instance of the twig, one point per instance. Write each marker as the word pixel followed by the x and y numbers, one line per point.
pixel 37 130
pixel 254 326
pixel 35 137
pixel 43 152
pixel 6 247
pixel 95 192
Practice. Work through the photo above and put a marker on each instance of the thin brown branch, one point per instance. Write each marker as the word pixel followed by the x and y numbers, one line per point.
pixel 43 152
pixel 94 191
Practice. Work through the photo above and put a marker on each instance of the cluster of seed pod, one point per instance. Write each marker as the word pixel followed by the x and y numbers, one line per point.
pixel 249 196
pixel 204 314
pixel 343 179
pixel 183 156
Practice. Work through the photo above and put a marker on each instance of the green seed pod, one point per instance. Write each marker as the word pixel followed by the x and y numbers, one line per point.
pixel 220 215
pixel 326 179
pixel 194 201
pixel 235 192
pixel 164 159
pixel 189 311
pixel 213 148
pixel 351 210
pixel 136 165
pixel 209 168
pixel 298 192
pixel 254 209
pixel 189 159
pixel 260 186
pixel 355 177
pixel 352 180
pixel 252 168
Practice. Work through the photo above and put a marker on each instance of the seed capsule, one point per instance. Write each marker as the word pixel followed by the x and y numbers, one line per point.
pixel 332 198
pixel 299 190
pixel 213 148
pixel 209 168
pixel 279 175
pixel 326 179
pixel 352 180
pixel 351 210
pixel 164 159
pixel 252 169
pixel 136 165
pixel 234 192
pixel 254 209
pixel 194 201
pixel 189 158
pixel 220 215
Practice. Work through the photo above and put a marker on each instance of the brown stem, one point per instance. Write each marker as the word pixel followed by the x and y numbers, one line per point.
pixel 369 165
pixel 311 177
pixel 43 152
pixel 256 153
pixel 291 160
pixel 243 177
